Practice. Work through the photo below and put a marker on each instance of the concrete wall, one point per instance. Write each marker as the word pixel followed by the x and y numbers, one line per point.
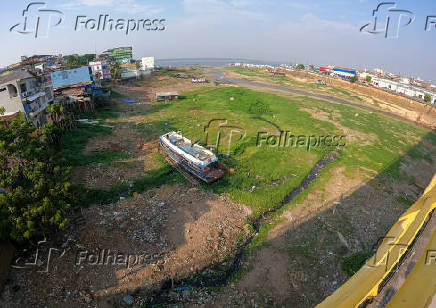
pixel 10 97
pixel 147 63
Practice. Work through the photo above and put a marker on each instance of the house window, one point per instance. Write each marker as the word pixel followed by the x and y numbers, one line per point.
pixel 12 90
pixel 23 87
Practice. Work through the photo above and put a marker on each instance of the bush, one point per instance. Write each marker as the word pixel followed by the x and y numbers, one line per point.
pixel 37 188
pixel 354 262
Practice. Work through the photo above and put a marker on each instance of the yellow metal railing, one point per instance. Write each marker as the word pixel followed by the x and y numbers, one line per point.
pixel 365 283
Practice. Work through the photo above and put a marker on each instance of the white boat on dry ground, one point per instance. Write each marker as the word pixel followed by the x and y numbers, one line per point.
pixel 196 159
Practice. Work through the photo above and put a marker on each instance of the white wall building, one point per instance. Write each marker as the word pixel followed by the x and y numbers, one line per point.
pixel 147 63
pixel 24 92
pixel 403 89
pixel 127 74
pixel 101 69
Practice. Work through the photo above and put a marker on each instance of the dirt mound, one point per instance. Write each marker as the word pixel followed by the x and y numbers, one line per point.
pixel 129 247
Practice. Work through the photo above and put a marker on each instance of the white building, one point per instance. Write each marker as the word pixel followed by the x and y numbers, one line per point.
pixel 26 93
pixel 379 71
pixel 127 74
pixel 405 80
pixel 101 70
pixel 147 63
pixel 404 89
pixel 342 74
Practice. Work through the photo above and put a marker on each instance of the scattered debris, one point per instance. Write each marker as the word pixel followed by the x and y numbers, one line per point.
pixel 129 300
pixel 90 122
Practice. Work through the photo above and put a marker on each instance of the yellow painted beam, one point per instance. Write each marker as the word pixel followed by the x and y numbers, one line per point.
pixel 420 286
pixel 365 283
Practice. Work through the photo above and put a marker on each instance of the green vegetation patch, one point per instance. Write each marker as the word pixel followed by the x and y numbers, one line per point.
pixel 74 142
pixel 265 175
pixel 354 263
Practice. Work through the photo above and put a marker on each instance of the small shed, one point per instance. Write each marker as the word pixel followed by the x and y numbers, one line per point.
pixel 166 96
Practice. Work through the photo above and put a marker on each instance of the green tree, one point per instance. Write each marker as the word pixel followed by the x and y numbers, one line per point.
pixel 368 79
pixel 353 79
pixel 427 98
pixel 38 192
pixel 116 70
pixel 77 61
pixel 300 67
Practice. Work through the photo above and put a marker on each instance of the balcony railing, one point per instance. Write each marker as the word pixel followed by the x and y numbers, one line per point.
pixel 32 94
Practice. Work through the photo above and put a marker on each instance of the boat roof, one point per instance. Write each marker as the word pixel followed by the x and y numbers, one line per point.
pixel 167 93
pixel 193 149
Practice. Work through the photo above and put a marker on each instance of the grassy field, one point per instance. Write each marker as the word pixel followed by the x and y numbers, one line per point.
pixel 377 151
pixel 265 175
pixel 74 143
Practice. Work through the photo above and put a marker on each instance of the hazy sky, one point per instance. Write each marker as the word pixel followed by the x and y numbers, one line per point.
pixel 318 31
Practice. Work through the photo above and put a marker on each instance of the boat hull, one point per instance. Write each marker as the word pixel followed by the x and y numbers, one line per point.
pixel 208 174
